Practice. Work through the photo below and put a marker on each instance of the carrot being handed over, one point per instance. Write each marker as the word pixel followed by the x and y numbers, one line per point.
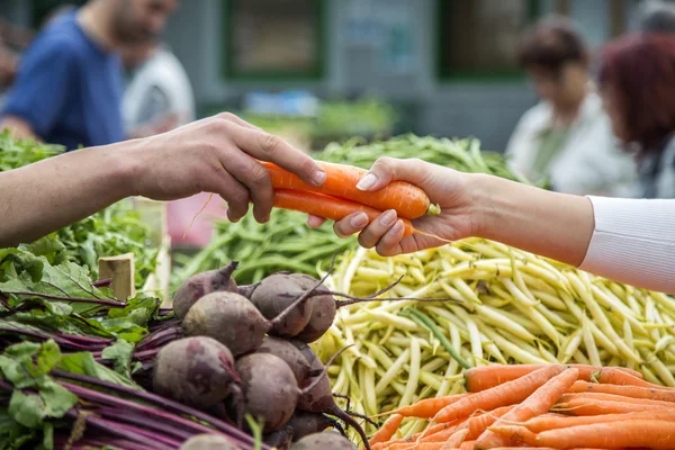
pixel 540 402
pixel 653 434
pixel 509 393
pixel 332 208
pixel 409 201
pixel 478 379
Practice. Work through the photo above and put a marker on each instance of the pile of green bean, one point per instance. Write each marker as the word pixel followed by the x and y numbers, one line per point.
pixel 509 307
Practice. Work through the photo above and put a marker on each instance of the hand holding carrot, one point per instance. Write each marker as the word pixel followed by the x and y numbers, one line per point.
pixel 448 188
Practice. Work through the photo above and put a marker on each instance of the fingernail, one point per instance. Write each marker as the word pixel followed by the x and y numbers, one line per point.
pixel 360 220
pixel 367 182
pixel 388 218
pixel 319 177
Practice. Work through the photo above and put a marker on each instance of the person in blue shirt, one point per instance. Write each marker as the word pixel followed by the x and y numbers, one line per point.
pixel 69 86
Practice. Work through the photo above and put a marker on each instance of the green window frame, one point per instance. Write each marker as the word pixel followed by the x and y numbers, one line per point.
pixel 446 74
pixel 315 73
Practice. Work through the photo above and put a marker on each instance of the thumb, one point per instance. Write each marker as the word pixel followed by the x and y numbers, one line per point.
pixel 386 169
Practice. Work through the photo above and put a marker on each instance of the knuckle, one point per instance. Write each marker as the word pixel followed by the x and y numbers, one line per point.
pixel 258 175
pixel 269 143
pixel 226 116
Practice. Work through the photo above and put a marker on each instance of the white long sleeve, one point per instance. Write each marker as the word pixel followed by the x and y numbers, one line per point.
pixel 633 242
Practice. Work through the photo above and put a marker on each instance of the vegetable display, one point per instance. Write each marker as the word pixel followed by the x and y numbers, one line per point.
pixel 513 308
pixel 544 406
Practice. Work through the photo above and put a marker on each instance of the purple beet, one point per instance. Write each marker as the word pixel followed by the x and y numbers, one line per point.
pixel 197 371
pixel 327 440
pixel 201 284
pixel 290 354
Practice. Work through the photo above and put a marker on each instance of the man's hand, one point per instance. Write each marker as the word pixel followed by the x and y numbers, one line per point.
pixel 218 155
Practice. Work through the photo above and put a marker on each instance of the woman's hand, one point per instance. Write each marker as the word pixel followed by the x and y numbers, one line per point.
pixel 448 188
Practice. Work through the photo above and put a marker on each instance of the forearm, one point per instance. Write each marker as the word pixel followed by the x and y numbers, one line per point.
pixel 558 226
pixel 43 197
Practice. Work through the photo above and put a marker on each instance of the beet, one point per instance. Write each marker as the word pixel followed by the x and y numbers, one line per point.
pixel 209 442
pixel 274 295
pixel 196 371
pixel 317 396
pixel 290 354
pixel 229 318
pixel 201 284
pixel 269 388
pixel 325 441
pixel 305 423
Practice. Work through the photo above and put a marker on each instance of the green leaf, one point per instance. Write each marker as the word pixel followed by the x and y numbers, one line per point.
pixel 57 400
pixel 26 364
pixel 26 409
pixel 83 363
pixel 120 353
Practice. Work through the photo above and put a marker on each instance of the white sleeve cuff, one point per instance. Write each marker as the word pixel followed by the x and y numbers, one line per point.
pixel 633 242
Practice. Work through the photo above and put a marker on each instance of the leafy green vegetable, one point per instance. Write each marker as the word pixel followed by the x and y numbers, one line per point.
pixel 83 363
pixel 15 154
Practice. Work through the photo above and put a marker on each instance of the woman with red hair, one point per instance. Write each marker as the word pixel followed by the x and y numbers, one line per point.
pixel 637 85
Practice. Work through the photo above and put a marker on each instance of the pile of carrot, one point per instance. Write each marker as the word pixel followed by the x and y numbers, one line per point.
pixel 541 407
pixel 339 196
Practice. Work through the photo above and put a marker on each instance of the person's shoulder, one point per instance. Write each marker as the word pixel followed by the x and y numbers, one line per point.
pixel 535 117
pixel 63 37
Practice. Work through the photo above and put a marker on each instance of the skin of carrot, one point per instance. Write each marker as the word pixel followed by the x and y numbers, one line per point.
pixel 540 402
pixel 505 394
pixel 653 434
pixel 328 207
pixel 417 446
pixel 660 394
pixel 480 378
pixel 612 375
pixel 467 445
pixel 409 201
pixel 427 408
pixel 544 423
pixel 433 429
pixel 591 396
pixel 387 430
pixel 588 407
pixel 476 425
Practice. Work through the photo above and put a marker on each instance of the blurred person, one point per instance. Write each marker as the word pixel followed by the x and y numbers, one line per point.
pixel 637 84
pixel 657 17
pixel 69 87
pixel 566 139
pixel 158 96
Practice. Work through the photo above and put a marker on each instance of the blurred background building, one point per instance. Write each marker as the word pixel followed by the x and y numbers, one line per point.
pixel 447 67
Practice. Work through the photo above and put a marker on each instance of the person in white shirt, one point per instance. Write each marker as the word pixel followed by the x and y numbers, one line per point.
pixel 566 139
pixel 627 240
pixel 159 96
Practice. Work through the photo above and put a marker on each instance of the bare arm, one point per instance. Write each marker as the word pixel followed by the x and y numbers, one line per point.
pixel 219 155
pixel 18 128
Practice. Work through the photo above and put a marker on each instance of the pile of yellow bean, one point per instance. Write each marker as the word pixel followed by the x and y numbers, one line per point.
pixel 500 305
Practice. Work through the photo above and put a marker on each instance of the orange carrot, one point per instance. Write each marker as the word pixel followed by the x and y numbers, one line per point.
pixel 328 207
pixel 427 408
pixel 478 379
pixel 552 422
pixel 614 375
pixel 653 434
pixel 416 446
pixel 590 407
pixel 387 430
pixel 661 394
pixel 591 396
pixel 477 425
pixel 509 393
pixel 432 430
pixel 540 402
pixel 409 201
pixel 467 445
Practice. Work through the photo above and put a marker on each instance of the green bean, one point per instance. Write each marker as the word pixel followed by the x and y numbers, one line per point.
pixel 425 321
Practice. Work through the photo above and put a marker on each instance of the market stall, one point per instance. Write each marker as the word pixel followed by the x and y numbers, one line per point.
pixel 278 335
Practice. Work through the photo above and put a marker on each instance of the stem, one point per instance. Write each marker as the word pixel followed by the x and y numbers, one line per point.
pixel 95 301
pixel 143 421
pixel 169 405
pixel 257 431
pixel 159 338
pixel 106 282
pixel 425 321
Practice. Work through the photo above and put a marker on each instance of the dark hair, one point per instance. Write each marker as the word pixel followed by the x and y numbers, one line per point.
pixel 552 43
pixel 658 18
pixel 641 70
